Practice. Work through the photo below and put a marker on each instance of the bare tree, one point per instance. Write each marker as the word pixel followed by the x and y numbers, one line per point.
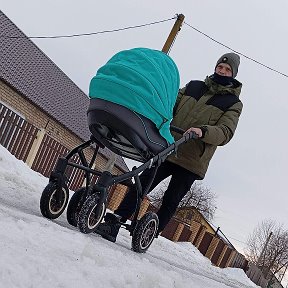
pixel 202 198
pixel 267 247
pixel 199 196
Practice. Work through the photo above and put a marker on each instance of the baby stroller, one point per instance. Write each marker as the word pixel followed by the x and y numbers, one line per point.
pixel 122 119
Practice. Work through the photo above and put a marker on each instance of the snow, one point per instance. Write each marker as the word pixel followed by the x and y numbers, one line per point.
pixel 37 252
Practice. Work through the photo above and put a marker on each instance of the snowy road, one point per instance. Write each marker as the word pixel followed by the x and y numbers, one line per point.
pixel 36 252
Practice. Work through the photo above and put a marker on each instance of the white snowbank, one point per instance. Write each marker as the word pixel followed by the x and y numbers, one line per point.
pixel 36 252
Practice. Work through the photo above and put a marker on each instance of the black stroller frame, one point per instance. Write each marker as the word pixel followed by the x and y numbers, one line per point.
pixel 87 205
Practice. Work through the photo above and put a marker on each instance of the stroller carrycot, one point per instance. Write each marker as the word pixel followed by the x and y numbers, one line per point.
pixel 132 100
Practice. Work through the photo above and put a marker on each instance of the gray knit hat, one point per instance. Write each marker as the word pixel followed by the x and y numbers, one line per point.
pixel 231 59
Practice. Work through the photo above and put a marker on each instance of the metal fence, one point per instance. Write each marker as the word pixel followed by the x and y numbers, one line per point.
pixel 205 243
pixel 48 153
pixel 256 275
pixel 16 134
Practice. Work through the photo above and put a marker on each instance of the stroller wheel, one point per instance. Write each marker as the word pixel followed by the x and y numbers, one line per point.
pixel 53 200
pixel 145 232
pixel 74 206
pixel 91 214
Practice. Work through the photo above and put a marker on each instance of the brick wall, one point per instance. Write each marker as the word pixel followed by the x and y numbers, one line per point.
pixel 195 227
pixel 117 197
pixel 212 247
pixel 200 236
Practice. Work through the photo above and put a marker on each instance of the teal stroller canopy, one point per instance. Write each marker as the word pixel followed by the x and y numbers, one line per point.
pixel 143 80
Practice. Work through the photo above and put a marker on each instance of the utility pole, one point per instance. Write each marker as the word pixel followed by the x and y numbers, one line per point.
pixel 174 31
pixel 166 48
pixel 264 249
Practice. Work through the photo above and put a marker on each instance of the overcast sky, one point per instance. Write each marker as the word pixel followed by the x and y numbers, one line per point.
pixel 249 175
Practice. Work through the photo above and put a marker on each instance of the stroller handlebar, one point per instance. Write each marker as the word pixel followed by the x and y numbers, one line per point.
pixel 177 129
pixel 190 135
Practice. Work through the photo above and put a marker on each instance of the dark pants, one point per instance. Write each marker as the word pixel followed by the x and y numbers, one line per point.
pixel 179 185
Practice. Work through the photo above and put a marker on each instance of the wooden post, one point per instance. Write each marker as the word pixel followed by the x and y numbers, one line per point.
pixel 35 147
pixel 174 31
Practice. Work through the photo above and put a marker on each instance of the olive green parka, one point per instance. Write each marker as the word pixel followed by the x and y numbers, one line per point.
pixel 216 112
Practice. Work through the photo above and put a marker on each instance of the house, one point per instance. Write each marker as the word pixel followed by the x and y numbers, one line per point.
pixel 189 214
pixel 39 101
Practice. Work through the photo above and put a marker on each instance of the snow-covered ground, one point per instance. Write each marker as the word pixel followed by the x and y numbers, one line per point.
pixel 36 252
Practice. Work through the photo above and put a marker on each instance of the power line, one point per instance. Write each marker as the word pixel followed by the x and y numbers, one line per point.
pixel 216 227
pixel 218 42
pixel 92 33
pixel 143 25
pixel 238 240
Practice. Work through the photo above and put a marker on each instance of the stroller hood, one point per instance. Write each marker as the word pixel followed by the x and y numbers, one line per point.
pixel 143 80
